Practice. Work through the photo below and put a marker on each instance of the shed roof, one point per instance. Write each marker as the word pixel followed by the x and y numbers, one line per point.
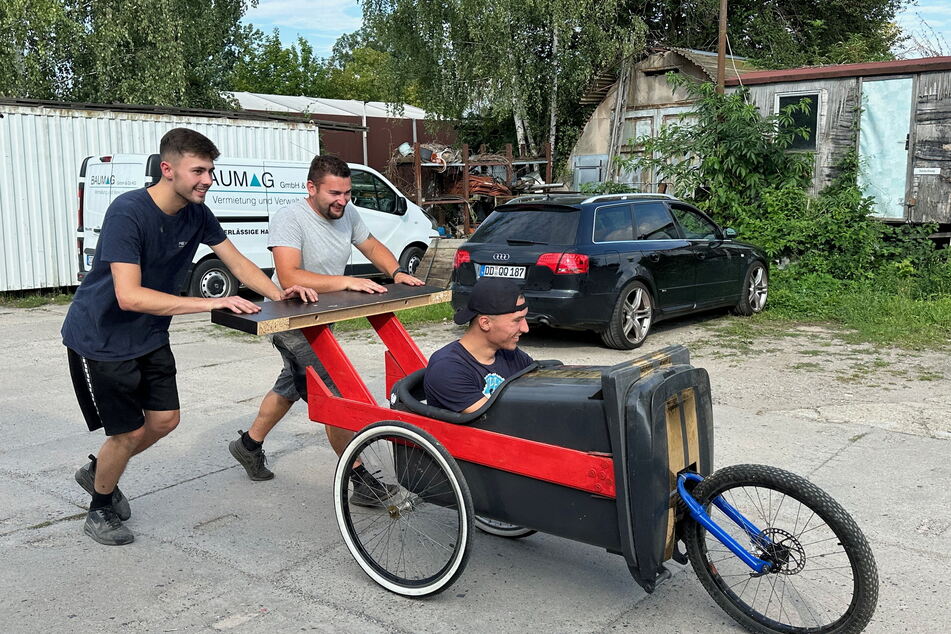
pixel 867 69
pixel 705 60
pixel 319 106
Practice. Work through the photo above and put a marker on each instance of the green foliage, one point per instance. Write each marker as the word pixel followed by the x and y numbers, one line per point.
pixel 264 65
pixel 499 56
pixel 779 33
pixel 607 187
pixel 911 311
pixel 352 72
pixel 730 143
pixel 173 52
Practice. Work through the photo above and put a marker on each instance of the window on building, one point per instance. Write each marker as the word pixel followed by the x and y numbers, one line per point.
pixel 808 120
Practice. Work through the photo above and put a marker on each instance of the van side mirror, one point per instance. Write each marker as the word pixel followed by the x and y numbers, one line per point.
pixel 400 206
pixel 729 233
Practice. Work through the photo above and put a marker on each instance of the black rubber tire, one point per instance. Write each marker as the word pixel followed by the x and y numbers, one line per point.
pixel 433 495
pixel 619 333
pixel 754 290
pixel 778 492
pixel 502 529
pixel 211 279
pixel 411 259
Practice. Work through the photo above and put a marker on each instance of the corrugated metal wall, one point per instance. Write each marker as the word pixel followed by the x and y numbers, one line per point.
pixel 42 148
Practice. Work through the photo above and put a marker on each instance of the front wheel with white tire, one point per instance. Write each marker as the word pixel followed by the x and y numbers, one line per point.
pixel 415 538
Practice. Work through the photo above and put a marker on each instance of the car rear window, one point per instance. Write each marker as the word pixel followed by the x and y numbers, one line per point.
pixel 529 226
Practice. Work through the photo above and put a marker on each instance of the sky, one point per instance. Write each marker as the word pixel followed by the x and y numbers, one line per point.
pixel 321 22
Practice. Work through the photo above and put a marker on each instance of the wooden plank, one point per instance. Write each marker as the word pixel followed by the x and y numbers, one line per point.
pixel 293 314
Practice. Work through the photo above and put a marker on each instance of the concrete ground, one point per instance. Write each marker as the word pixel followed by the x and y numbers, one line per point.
pixel 215 551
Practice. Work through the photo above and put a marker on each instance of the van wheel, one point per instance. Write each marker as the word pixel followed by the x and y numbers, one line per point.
pixel 212 279
pixel 411 259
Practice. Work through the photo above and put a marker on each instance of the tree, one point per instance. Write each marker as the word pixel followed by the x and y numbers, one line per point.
pixel 266 66
pixel 523 60
pixel 779 33
pixel 35 53
pixel 172 52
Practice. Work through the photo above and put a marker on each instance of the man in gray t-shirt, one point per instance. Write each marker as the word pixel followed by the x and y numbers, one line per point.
pixel 311 240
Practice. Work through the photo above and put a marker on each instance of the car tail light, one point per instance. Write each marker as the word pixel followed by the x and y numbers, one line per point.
pixel 105 159
pixel 564 263
pixel 461 258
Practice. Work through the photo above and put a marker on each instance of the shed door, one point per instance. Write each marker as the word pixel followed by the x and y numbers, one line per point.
pixel 883 144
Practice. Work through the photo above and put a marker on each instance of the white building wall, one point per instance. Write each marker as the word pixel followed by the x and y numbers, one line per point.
pixel 42 148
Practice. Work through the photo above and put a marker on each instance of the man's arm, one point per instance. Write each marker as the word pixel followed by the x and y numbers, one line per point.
pixel 482 401
pixel 132 296
pixel 288 263
pixel 254 278
pixel 383 260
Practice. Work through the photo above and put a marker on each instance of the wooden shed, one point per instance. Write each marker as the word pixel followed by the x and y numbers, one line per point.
pixel 635 100
pixel 896 114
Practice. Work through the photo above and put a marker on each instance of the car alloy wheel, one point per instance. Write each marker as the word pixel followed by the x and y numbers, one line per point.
pixel 757 289
pixel 631 318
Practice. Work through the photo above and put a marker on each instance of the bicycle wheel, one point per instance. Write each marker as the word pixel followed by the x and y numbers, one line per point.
pixel 823 576
pixel 415 539
pixel 501 529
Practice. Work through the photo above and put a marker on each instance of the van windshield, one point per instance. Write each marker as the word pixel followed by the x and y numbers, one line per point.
pixel 528 226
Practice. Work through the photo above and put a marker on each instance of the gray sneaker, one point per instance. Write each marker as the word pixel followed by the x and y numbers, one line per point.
pixel 104 526
pixel 86 477
pixel 254 462
pixel 370 492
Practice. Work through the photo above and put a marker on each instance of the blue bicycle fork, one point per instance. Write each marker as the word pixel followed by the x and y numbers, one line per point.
pixel 699 514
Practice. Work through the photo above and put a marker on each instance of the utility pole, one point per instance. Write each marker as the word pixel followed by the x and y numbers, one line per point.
pixel 721 49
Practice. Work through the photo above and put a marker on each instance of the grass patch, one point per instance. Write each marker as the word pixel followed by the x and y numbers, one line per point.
pixel 805 365
pixel 411 317
pixel 888 310
pixel 35 299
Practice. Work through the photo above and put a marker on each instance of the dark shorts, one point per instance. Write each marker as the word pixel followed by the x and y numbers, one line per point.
pixel 114 394
pixel 297 355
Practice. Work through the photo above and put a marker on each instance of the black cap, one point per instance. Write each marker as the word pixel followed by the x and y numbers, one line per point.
pixel 490 296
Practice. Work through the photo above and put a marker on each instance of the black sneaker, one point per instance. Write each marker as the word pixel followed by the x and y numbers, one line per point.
pixel 86 477
pixel 254 462
pixel 370 492
pixel 104 526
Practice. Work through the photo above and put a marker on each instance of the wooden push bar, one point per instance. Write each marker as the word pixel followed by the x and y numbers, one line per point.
pixel 293 314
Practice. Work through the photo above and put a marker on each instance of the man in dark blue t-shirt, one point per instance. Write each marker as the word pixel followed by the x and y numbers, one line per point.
pixel 116 330
pixel 462 375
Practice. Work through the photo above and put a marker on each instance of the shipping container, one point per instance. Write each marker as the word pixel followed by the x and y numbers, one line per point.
pixel 42 147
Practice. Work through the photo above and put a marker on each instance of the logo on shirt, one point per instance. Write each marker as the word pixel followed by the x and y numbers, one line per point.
pixel 181 245
pixel 492 381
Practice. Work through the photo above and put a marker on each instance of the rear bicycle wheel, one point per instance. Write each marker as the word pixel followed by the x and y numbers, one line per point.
pixel 501 529
pixel 823 577
pixel 415 540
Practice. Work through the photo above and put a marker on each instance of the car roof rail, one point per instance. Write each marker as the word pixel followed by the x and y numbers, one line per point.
pixel 628 196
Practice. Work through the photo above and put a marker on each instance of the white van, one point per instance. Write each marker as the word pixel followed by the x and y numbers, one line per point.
pixel 244 193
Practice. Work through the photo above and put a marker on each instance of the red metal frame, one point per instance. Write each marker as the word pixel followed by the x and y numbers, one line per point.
pixel 356 408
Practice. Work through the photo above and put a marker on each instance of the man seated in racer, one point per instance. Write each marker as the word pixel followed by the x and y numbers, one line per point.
pixel 461 376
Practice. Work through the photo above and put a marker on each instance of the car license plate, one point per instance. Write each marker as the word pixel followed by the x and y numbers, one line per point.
pixel 502 270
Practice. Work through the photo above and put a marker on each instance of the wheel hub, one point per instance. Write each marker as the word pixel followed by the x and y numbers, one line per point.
pixel 782 550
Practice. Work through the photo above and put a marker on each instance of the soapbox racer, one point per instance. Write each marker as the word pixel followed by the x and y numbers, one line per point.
pixel 620 457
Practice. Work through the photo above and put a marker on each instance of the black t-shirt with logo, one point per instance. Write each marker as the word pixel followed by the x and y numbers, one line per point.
pixel 455 380
pixel 135 231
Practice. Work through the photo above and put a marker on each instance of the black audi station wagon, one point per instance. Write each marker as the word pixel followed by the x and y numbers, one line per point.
pixel 614 264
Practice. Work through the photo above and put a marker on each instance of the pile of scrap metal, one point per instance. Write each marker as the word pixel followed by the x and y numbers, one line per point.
pixel 482 184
